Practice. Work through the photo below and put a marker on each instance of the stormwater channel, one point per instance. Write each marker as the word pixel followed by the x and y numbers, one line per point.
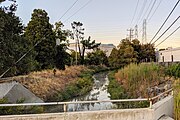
pixel 98 93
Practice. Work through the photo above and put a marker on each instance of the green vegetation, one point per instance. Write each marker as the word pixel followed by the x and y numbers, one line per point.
pixel 97 57
pixel 136 78
pixel 118 92
pixel 173 70
pixel 114 88
pixel 12 43
pixel 131 52
pixel 78 34
pixel 177 99
pixel 19 109
pixel 80 87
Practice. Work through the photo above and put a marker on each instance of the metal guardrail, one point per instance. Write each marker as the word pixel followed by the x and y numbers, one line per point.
pixel 86 102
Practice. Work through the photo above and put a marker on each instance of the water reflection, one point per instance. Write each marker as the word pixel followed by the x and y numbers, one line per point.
pixel 99 92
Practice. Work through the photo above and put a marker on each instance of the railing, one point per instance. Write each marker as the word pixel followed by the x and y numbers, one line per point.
pixel 164 94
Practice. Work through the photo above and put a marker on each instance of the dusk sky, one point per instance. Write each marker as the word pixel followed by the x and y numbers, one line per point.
pixel 107 21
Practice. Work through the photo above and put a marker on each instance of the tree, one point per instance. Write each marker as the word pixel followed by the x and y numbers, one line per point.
pixel 77 34
pixel 13 45
pixel 130 52
pixel 97 57
pixel 62 57
pixel 87 44
pixel 115 58
pixel 40 30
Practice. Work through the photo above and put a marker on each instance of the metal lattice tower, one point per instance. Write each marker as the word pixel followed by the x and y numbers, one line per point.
pixel 130 34
pixel 136 32
pixel 144 34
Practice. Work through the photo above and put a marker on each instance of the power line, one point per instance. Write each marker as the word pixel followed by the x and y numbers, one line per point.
pixel 20 59
pixel 155 11
pixel 168 36
pixel 166 29
pixel 165 20
pixel 78 10
pixel 151 9
pixel 135 11
pixel 141 11
pixel 146 11
pixel 68 9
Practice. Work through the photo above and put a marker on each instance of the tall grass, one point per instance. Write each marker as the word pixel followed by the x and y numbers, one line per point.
pixel 177 99
pixel 136 78
pixel 174 71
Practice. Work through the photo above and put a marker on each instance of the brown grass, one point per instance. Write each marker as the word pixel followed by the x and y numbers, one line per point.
pixel 44 84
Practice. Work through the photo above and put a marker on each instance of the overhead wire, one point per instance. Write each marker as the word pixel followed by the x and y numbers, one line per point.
pixel 168 36
pixel 141 11
pixel 135 12
pixel 165 20
pixel 20 59
pixel 143 16
pixel 167 29
pixel 154 11
pixel 68 9
pixel 151 9
pixel 77 11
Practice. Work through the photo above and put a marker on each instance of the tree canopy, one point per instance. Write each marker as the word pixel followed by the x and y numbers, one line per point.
pixel 13 45
pixel 130 52
pixel 40 30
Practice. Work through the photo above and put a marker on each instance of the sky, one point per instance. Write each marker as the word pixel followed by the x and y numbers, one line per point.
pixel 107 21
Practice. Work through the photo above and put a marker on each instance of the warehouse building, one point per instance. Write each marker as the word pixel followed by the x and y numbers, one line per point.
pixel 169 55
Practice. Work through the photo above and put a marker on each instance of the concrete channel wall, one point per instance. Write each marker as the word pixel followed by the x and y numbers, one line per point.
pixel 164 107
pixel 128 114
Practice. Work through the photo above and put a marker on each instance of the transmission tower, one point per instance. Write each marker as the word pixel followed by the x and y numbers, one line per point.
pixel 144 35
pixel 136 32
pixel 130 34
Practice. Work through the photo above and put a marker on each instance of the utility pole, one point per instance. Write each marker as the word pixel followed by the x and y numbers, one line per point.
pixel 144 34
pixel 130 34
pixel 136 32
pixel 76 51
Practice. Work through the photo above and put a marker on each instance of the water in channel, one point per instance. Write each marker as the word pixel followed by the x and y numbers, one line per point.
pixel 99 92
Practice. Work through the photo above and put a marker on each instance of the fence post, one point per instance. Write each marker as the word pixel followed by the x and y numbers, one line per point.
pixel 65 107
pixel 150 103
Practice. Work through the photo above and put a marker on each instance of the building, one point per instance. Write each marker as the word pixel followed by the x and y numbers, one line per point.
pixel 104 47
pixel 168 55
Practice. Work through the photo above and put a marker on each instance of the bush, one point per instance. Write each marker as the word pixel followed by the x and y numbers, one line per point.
pixel 136 78
pixel 19 109
pixel 80 87
pixel 173 70
pixel 114 88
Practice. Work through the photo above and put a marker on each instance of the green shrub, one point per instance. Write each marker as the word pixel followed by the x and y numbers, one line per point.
pixel 80 87
pixel 19 109
pixel 114 88
pixel 173 70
